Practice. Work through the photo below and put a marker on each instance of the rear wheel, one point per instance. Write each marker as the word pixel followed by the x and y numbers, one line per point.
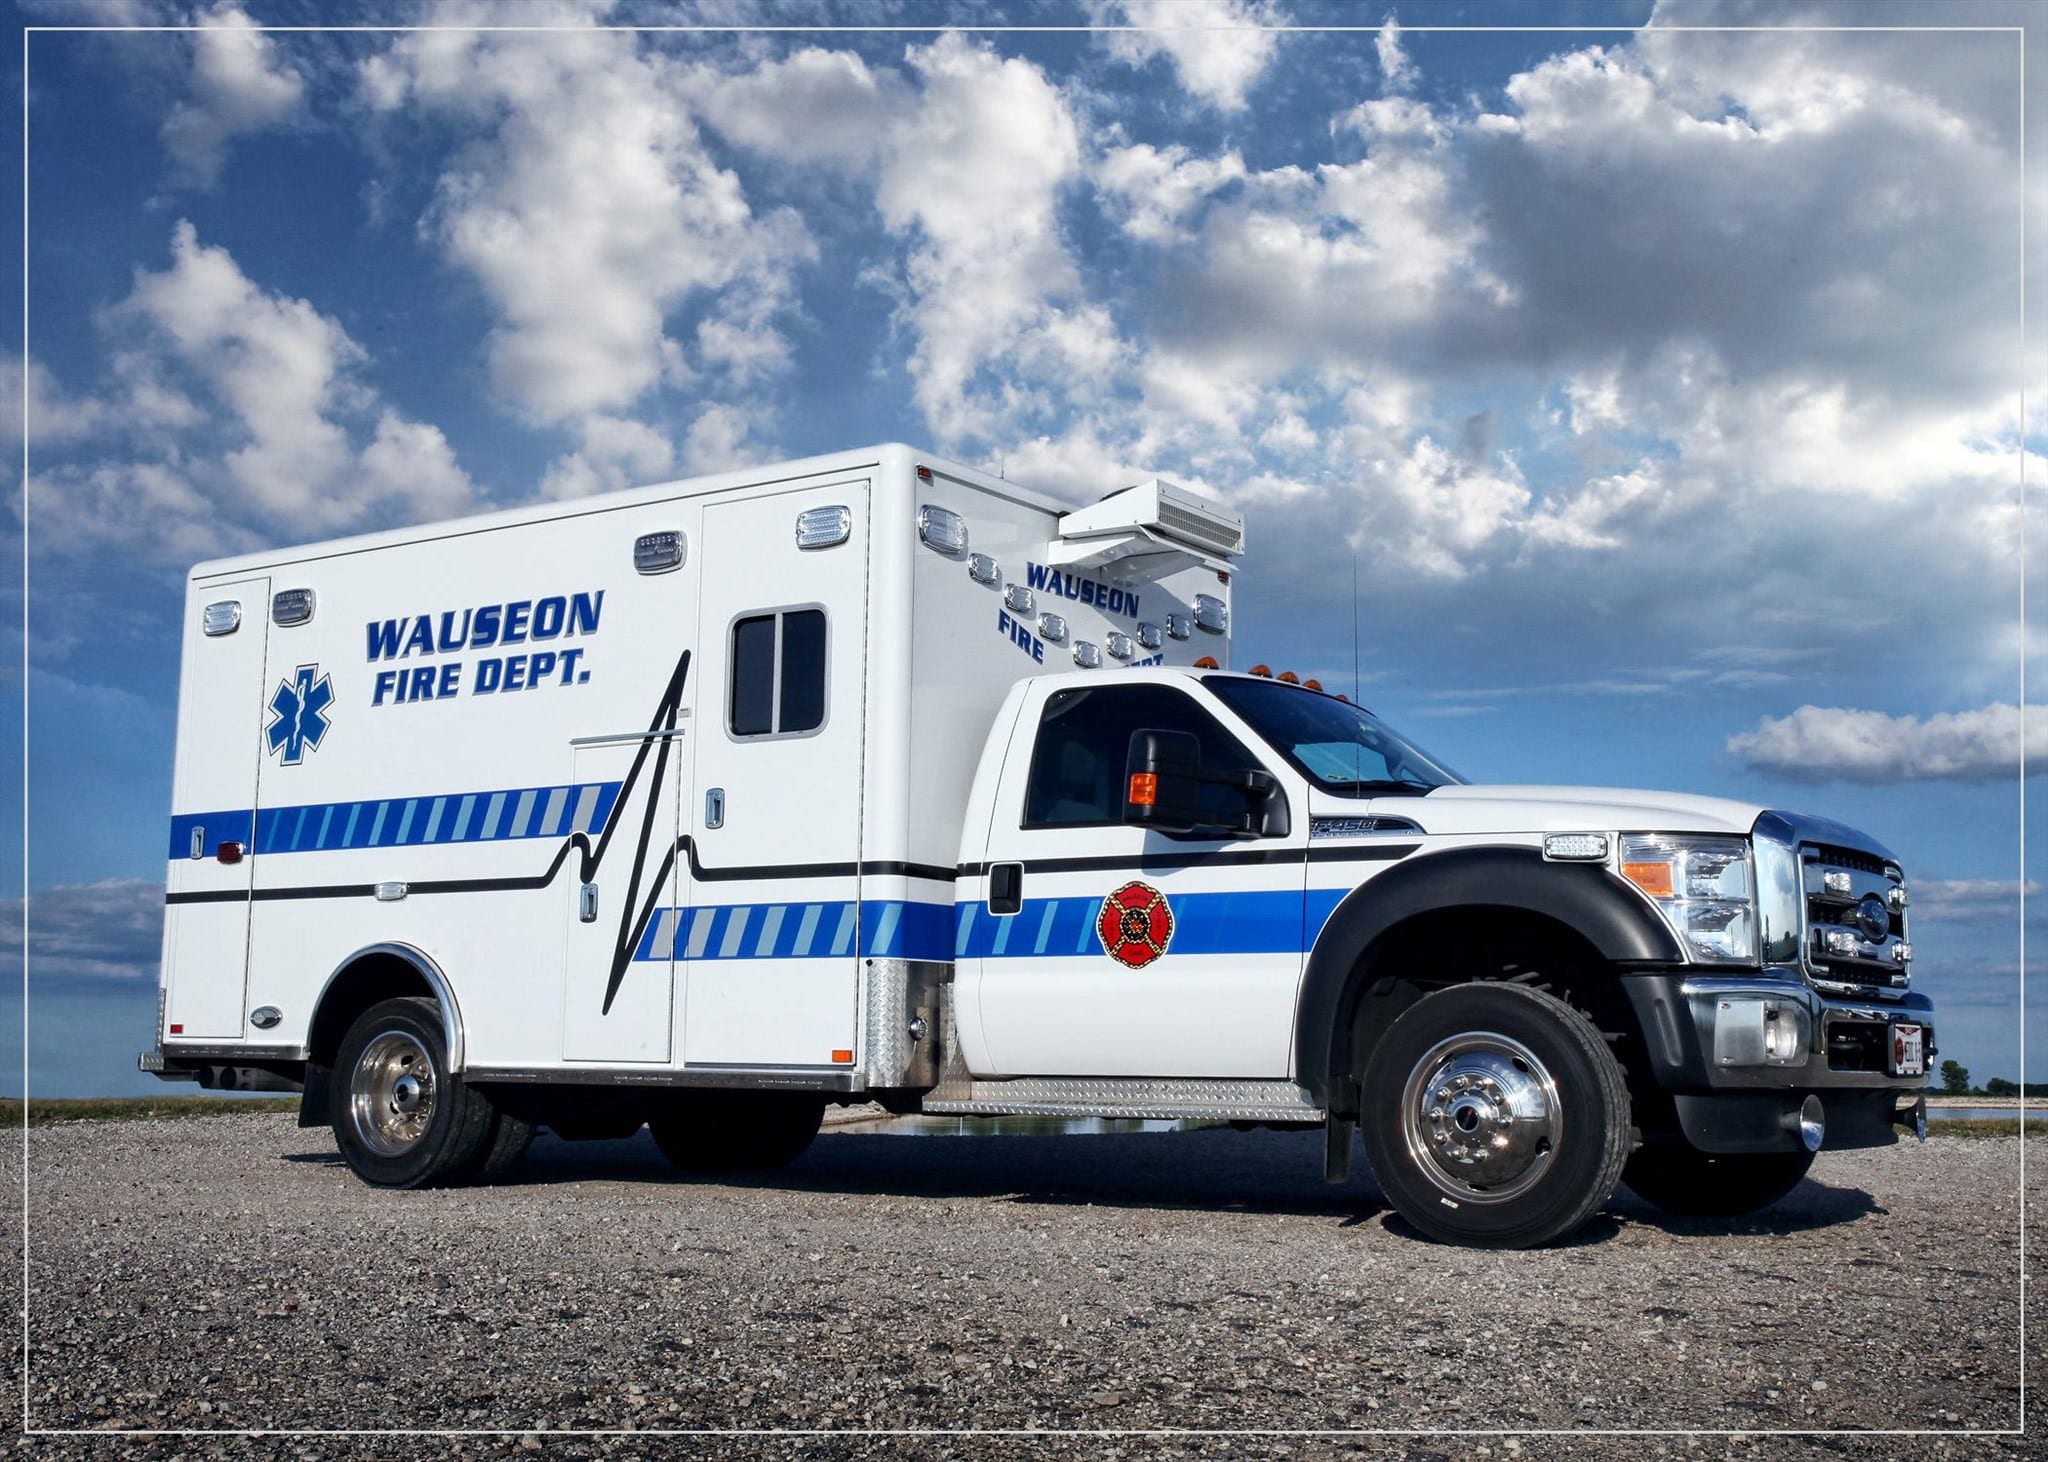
pixel 736 1131
pixel 1680 1179
pixel 1494 1115
pixel 400 1117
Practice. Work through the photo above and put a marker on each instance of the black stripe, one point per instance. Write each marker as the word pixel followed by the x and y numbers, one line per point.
pixel 1362 853
pixel 1150 862
pixel 698 872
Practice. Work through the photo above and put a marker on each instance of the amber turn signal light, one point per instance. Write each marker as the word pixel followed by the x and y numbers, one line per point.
pixel 1653 879
pixel 1144 789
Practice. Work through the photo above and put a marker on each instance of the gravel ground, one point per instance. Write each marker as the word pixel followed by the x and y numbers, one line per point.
pixel 230 1273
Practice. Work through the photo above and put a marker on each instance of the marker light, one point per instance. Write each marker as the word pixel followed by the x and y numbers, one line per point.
pixel 1149 636
pixel 1053 627
pixel 659 553
pixel 1211 613
pixel 1311 685
pixel 1018 597
pixel 1576 847
pixel 1121 645
pixel 291 606
pixel 983 569
pixel 222 617
pixel 1144 789
pixel 1290 677
pixel 1652 878
pixel 824 527
pixel 1264 672
pixel 1179 626
pixel 941 528
pixel 1207 662
pixel 1087 656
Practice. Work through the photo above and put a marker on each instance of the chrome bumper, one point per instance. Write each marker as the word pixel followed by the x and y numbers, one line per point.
pixel 1772 1030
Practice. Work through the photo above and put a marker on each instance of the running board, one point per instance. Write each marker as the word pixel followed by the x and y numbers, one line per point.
pixel 1156 1098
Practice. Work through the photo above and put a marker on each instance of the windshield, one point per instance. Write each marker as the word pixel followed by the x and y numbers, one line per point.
pixel 1340 747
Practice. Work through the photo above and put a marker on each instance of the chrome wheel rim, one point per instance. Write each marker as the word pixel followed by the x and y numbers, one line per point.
pixel 391 1093
pixel 1480 1117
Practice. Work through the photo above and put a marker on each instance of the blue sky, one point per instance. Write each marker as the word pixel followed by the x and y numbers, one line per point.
pixel 1662 385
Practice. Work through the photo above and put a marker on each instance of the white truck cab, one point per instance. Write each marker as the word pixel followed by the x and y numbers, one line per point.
pixel 873 777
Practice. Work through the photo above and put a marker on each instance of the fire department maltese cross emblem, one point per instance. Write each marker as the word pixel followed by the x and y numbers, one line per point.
pixel 1135 925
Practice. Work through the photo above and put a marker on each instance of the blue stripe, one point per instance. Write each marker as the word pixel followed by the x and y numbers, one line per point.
pixel 375 823
pixel 889 929
pixel 1248 921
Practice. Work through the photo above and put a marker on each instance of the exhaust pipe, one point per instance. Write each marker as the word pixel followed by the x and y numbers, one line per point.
pixel 1809 1123
pixel 1913 1117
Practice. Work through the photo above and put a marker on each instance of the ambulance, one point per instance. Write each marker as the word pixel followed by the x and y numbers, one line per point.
pixel 875 778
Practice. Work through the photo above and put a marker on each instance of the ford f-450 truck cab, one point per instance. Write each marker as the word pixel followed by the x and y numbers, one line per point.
pixel 875 778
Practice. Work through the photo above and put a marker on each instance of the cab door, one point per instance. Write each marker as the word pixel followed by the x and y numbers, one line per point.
pixel 1100 949
pixel 770 956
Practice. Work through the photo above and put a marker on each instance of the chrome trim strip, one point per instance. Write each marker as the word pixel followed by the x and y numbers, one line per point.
pixel 219 1051
pixel 621 738
pixel 757 1078
pixel 444 993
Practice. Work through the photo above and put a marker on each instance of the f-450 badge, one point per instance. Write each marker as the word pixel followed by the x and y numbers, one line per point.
pixel 1135 925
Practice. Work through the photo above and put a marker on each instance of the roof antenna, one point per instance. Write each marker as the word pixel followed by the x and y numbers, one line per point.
pixel 1357 691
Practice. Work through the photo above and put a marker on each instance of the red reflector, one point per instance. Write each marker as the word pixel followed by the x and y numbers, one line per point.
pixel 841 1058
pixel 177 1030
pixel 229 853
pixel 1144 789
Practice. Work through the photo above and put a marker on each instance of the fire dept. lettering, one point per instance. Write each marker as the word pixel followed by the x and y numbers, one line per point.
pixel 517 622
pixel 1107 597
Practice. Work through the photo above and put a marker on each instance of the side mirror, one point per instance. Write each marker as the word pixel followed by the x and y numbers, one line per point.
pixel 1163 782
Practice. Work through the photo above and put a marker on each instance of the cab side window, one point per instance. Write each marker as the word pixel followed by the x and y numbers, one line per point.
pixel 1084 741
pixel 778 674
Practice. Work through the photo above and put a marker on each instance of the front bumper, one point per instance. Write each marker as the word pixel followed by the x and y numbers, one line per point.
pixel 1738 1053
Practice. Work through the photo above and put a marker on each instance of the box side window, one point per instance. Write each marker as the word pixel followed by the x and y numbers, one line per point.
pixel 778 674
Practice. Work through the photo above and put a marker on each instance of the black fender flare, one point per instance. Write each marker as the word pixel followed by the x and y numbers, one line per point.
pixel 1585 897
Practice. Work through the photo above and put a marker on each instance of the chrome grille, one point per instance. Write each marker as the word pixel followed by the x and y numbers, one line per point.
pixel 1855 913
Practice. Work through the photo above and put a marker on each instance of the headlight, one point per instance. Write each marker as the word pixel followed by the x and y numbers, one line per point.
pixel 1706 888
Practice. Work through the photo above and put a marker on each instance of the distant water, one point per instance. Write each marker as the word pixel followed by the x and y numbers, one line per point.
pixel 2034 1109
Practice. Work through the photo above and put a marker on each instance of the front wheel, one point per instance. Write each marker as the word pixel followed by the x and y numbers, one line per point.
pixel 401 1118
pixel 1680 1179
pixel 1495 1116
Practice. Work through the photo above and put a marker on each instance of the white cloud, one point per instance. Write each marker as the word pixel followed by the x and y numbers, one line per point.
pixel 239 84
pixel 1396 70
pixel 111 930
pixel 1819 743
pixel 1214 46
pixel 588 211
pixel 813 106
pixel 1155 189
pixel 1971 900
pixel 232 415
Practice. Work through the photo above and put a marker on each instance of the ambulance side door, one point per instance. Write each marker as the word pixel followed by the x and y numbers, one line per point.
pixel 1102 949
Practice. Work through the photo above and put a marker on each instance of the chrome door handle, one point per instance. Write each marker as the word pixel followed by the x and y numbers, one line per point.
pixel 714 807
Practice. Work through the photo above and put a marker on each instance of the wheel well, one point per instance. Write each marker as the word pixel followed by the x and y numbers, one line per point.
pixel 359 985
pixel 1445 947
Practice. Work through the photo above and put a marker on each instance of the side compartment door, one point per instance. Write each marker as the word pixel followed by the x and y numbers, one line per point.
pixel 771 952
pixel 619 981
pixel 221 712
pixel 1110 950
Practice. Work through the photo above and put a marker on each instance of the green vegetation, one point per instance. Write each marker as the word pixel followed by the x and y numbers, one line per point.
pixel 1979 1127
pixel 1955 1078
pixel 41 1112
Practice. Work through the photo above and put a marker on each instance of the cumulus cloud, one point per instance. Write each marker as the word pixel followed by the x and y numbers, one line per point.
pixel 1971 900
pixel 244 420
pixel 239 83
pixel 590 213
pixel 1215 47
pixel 1396 70
pixel 1821 743
pixel 109 931
pixel 1154 189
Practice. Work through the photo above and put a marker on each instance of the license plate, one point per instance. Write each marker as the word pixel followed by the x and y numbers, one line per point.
pixel 1909 1050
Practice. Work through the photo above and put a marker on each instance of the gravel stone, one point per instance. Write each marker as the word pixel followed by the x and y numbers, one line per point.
pixel 229 1273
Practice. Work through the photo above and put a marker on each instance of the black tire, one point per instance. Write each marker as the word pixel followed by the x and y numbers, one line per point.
pixel 1494 1116
pixel 509 1139
pixel 400 1117
pixel 736 1131
pixel 1680 1179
